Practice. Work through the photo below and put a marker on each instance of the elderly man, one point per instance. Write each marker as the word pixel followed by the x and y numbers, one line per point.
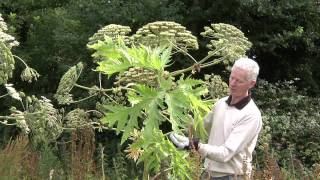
pixel 233 126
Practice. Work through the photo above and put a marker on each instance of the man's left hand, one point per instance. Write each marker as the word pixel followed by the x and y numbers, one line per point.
pixel 182 142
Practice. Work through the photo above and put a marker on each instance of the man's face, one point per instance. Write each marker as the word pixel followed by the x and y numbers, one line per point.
pixel 239 83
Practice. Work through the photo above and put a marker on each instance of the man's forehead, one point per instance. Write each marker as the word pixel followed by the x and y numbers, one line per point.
pixel 239 73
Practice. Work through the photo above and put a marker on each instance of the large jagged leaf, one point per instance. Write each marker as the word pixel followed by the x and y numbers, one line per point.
pixel 151 100
pixel 153 120
pixel 145 104
pixel 126 119
pixel 113 66
pixel 106 49
pixel 186 106
pixel 188 83
pixel 157 150
pixel 193 90
pixel 118 58
pixel 110 55
pixel 132 123
pixel 178 105
pixel 154 58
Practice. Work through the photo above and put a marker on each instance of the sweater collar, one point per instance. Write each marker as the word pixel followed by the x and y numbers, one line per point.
pixel 241 104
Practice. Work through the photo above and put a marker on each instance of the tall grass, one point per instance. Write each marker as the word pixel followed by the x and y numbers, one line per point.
pixel 20 161
pixel 12 158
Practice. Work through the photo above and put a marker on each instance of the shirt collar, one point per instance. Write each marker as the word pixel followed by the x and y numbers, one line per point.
pixel 241 104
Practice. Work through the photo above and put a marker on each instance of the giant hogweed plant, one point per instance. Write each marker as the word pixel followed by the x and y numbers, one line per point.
pixel 36 117
pixel 154 95
pixel 149 94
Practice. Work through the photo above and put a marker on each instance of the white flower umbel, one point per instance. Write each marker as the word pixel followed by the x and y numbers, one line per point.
pixel 12 92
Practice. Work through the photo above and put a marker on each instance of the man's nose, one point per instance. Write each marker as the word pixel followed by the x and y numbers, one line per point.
pixel 232 82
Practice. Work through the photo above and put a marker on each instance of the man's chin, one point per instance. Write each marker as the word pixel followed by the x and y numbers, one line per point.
pixel 233 94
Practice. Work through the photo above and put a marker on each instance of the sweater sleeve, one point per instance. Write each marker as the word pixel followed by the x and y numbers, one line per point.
pixel 216 153
pixel 208 121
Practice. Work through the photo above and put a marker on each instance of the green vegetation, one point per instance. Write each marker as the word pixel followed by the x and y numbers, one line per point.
pixel 64 111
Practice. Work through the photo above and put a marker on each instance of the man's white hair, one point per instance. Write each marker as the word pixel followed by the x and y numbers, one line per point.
pixel 248 65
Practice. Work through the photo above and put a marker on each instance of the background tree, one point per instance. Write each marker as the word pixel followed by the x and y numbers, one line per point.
pixel 53 33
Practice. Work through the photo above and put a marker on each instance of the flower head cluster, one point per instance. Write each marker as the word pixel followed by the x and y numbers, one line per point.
pixel 6 63
pixel 4 37
pixel 66 84
pixel 137 75
pixel 226 41
pixel 9 40
pixel 216 86
pixel 43 119
pixel 134 151
pixel 76 118
pixel 20 120
pixel 12 92
pixel 6 58
pixel 113 31
pixel 3 25
pixel 29 74
pixel 164 32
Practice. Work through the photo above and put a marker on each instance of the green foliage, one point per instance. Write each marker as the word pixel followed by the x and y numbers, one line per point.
pixel 150 103
pixel 7 63
pixel 157 152
pixel 291 122
pixel 285 40
pixel 113 164
pixel 284 35
pixel 161 97
pixel 54 33
pixel 49 164
pixel 118 57
pixel 119 166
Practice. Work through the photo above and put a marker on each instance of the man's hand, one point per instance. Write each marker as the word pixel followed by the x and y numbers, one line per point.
pixel 182 142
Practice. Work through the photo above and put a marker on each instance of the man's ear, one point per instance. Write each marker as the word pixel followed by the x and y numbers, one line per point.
pixel 252 84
